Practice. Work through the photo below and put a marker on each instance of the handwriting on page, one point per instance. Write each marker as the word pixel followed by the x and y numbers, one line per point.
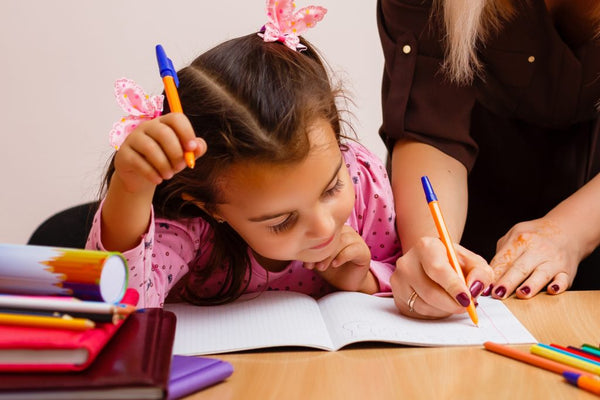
pixel 377 319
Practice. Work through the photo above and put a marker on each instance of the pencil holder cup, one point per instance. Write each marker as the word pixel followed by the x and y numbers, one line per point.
pixel 42 270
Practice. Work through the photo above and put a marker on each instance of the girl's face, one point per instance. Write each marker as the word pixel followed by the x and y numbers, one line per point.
pixel 295 211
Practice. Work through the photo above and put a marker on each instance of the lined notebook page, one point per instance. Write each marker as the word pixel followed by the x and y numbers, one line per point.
pixel 278 318
pixel 353 317
pixel 255 321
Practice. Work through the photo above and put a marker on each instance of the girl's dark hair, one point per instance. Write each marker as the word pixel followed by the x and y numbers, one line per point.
pixel 249 100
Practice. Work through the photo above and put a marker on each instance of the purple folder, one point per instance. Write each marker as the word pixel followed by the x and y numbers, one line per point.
pixel 190 374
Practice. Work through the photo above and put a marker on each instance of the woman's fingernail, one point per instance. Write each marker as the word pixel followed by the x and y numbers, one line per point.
pixel 500 291
pixel 476 288
pixel 488 291
pixel 463 299
pixel 525 290
pixel 555 288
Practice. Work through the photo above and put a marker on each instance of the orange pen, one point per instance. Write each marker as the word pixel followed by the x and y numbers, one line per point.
pixel 436 213
pixel 588 383
pixel 170 81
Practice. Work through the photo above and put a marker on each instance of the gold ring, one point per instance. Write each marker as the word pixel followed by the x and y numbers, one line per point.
pixel 411 301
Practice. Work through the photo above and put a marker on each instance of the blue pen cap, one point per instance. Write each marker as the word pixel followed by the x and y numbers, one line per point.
pixel 165 65
pixel 571 377
pixel 428 189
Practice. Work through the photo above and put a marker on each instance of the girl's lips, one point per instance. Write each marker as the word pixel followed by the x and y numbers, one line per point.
pixel 324 244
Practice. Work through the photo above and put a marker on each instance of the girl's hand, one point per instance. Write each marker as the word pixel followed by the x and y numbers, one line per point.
pixel 155 151
pixel 426 271
pixel 348 267
pixel 530 256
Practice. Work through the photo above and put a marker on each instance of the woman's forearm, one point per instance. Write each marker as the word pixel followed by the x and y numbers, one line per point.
pixel 579 216
pixel 410 161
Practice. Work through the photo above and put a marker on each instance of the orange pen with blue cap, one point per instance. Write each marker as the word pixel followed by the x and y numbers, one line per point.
pixel 589 383
pixel 171 82
pixel 436 213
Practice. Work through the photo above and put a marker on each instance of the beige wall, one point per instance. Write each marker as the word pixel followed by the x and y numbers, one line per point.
pixel 59 60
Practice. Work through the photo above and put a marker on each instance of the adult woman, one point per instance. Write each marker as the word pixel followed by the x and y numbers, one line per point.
pixel 495 100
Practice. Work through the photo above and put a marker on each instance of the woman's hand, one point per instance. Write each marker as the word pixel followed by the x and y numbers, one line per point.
pixel 426 271
pixel 155 151
pixel 532 255
pixel 348 266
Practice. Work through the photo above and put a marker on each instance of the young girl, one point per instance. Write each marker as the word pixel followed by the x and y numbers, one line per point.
pixel 277 200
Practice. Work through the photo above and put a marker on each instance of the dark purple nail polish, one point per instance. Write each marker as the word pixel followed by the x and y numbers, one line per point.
pixel 555 288
pixel 476 288
pixel 463 299
pixel 525 290
pixel 488 291
pixel 500 291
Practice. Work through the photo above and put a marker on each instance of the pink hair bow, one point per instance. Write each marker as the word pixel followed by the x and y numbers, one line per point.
pixel 285 25
pixel 138 106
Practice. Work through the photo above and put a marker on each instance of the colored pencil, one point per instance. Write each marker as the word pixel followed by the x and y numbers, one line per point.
pixel 591 349
pixel 556 355
pixel 77 324
pixel 532 359
pixel 577 351
pixel 570 353
pixel 96 317
pixel 67 304
pixel 584 353
pixel 584 382
pixel 438 218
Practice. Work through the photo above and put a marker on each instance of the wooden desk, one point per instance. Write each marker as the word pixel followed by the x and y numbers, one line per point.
pixel 380 371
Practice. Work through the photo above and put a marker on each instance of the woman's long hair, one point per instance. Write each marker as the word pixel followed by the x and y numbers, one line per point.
pixel 468 23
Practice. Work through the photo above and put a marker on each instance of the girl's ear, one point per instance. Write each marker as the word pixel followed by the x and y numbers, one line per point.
pixel 202 206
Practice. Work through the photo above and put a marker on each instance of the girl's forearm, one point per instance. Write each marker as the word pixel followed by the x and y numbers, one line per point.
pixel 369 284
pixel 125 216
pixel 352 278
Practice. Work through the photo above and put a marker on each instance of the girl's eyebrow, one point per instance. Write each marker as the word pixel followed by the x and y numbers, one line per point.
pixel 279 214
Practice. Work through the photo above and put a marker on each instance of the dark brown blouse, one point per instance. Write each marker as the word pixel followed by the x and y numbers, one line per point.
pixel 527 130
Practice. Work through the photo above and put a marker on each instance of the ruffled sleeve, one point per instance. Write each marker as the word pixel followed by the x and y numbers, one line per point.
pixel 160 258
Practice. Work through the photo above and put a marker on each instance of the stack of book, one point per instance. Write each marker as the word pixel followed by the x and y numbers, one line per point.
pixel 69 328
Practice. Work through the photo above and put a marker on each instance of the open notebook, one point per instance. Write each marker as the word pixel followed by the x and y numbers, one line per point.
pixel 278 318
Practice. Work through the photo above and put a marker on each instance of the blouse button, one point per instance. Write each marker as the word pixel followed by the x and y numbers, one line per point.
pixel 531 59
pixel 406 49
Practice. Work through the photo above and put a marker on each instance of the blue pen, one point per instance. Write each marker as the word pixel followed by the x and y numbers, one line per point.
pixel 171 82
pixel 440 225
